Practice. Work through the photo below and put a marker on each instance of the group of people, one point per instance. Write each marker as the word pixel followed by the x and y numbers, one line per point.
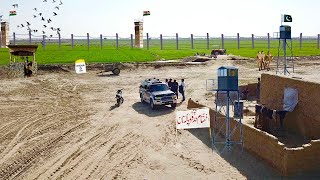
pixel 264 60
pixel 175 87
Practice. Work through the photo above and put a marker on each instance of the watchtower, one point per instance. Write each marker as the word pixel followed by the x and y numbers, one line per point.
pixel 138 31
pixel 4 36
pixel 224 131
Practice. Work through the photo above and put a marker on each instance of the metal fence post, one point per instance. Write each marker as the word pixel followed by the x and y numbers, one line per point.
pixel 252 36
pixel 147 40
pixel 318 41
pixel 268 41
pixel 192 46
pixel 238 39
pixel 177 41
pixel 131 37
pixel 59 36
pixel 222 41
pixel 14 38
pixel 30 41
pixel 117 40
pixel 88 40
pixel 72 41
pixel 100 41
pixel 208 41
pixel 300 40
pixel 161 43
pixel 44 42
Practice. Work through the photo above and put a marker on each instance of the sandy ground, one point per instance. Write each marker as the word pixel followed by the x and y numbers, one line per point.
pixel 60 125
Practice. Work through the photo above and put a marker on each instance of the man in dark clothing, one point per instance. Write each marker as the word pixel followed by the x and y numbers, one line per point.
pixel 170 84
pixel 174 88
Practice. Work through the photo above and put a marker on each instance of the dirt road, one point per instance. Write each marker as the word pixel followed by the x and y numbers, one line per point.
pixel 65 126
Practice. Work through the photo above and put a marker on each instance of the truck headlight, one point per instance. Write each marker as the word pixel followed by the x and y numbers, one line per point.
pixel 157 98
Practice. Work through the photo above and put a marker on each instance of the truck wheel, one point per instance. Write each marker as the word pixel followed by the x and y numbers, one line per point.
pixel 116 71
pixel 174 105
pixel 152 105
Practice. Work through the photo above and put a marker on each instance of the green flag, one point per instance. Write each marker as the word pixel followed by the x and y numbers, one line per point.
pixel 287 18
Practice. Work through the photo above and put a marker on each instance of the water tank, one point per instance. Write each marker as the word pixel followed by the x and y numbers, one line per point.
pixel 285 32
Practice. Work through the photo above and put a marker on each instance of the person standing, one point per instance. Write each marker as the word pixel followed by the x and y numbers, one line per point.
pixel 268 60
pixel 263 60
pixel 166 81
pixel 259 60
pixel 175 87
pixel 170 84
pixel 182 89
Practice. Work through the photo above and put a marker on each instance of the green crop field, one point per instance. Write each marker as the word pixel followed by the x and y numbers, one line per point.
pixel 53 54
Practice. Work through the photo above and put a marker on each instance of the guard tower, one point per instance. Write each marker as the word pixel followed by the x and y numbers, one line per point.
pixel 4 36
pixel 227 132
pixel 285 55
pixel 138 31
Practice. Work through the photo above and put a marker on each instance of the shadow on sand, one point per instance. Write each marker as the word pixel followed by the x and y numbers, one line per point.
pixel 248 165
pixel 144 108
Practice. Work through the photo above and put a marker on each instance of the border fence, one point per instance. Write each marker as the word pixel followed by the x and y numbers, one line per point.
pixel 162 42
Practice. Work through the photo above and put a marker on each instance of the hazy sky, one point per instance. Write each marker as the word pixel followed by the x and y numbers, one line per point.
pixel 168 17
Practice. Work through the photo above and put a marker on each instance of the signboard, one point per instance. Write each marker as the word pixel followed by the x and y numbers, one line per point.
pixel 197 118
pixel 80 66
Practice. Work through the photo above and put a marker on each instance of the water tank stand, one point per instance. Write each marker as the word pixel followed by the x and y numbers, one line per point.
pixel 285 57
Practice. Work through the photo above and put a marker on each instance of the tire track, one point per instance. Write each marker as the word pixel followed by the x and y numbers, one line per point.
pixel 19 166
pixel 14 141
pixel 84 150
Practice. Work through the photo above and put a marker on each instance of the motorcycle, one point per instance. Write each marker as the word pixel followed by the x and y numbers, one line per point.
pixel 119 97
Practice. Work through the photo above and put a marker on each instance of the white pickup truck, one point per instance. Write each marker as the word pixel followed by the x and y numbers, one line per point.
pixel 157 93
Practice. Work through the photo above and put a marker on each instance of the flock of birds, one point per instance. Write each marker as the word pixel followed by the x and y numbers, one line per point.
pixel 46 21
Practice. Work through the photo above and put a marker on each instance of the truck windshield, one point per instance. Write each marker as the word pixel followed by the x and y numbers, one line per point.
pixel 158 87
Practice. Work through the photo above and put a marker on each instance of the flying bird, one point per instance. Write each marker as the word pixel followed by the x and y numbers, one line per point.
pixel 15 5
pixel 45 26
pixel 34 16
pixel 53 1
pixel 42 19
pixel 57 7
pixel 44 0
pixel 35 9
pixel 40 14
pixel 54 14
pixel 35 31
pixel 28 24
pixel 22 25
pixel 43 32
pixel 18 26
pixel 60 3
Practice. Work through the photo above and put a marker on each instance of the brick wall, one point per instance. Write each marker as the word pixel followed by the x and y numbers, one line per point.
pixel 288 161
pixel 305 118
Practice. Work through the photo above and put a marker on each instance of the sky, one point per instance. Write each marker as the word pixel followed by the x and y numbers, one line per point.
pixel 168 17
